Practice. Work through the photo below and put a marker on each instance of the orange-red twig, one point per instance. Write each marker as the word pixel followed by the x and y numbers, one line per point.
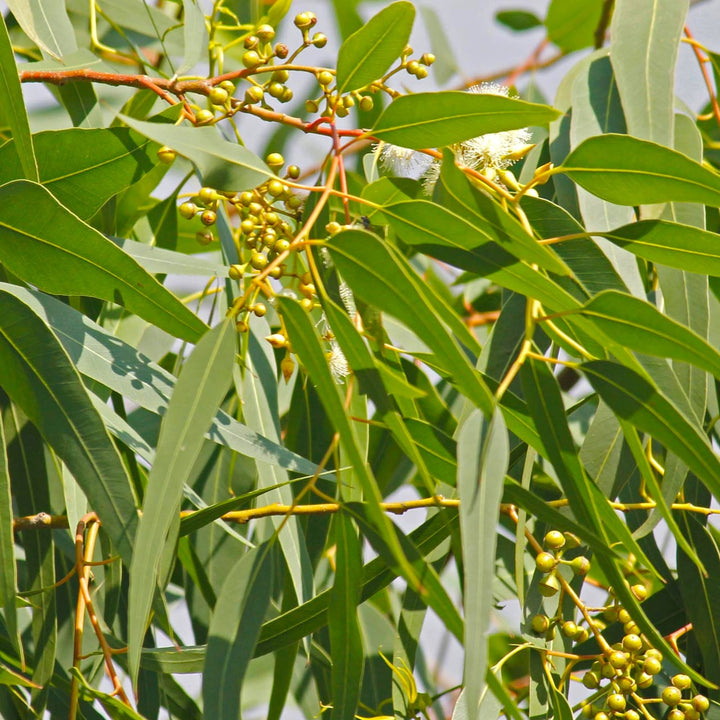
pixel 703 61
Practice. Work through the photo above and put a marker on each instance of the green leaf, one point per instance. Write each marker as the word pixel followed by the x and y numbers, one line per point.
pixel 14 110
pixel 9 677
pixel 47 25
pixel 83 168
pixel 483 454
pixel 370 51
pixel 62 255
pixel 425 120
pixel 234 631
pixel 634 398
pixel 8 570
pixel 40 378
pixel 422 222
pixel 346 644
pixel 223 165
pixel 114 707
pixel 157 260
pixel 571 23
pixel 102 356
pixel 518 20
pixel 646 36
pixel 307 346
pixel 380 277
pixel 200 389
pixel 640 326
pixel 195 36
pixel 667 243
pixel 627 171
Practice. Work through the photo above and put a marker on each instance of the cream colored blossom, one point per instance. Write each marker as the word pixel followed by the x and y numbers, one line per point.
pixel 338 363
pixel 401 161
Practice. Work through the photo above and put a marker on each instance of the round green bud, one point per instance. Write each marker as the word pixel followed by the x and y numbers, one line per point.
pixel 280 76
pixel 623 616
pixel 319 40
pixel 166 155
pixel 701 703
pixel 590 680
pixel 412 67
pixel 682 682
pixel 208 217
pixel 277 272
pixel 203 117
pixel 569 629
pixel 618 659
pixel 602 716
pixel 188 210
pixel 675 714
pixel 254 94
pixel 236 272
pixel 247 226
pixel 251 59
pixel 311 106
pixel 276 89
pixel 608 671
pixel 548 586
pixel 341 111
pixel 333 227
pixel 307 304
pixel 218 96
pixel 644 680
pixel 582 635
pixel 626 684
pixel 275 160
pixel 266 33
pixel 632 714
pixel 671 696
pixel 545 562
pixel 281 50
pixel 654 653
pixel 305 20
pixel 421 73
pixel 639 591
pixel 251 42
pixel 631 628
pixel 293 202
pixel 276 188
pixel 228 86
pixel 366 103
pixel 540 624
pixel 652 666
pixel 554 540
pixel 204 238
pixel 580 565
pixel 259 309
pixel 616 702
pixel 293 172
pixel 207 194
pixel 427 59
pixel 286 96
pixel 587 710
pixel 281 246
pixel 271 218
pixel 241 326
pixel 632 643
pixel 258 261
pixel 324 78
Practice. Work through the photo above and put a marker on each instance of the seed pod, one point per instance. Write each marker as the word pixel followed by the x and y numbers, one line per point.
pixel 166 155
pixel 554 540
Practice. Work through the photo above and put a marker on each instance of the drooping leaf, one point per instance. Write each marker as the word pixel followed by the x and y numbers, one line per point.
pixel 195 36
pixel 370 51
pixel 82 167
pixel 47 25
pixel 642 327
pixel 223 165
pixel 40 378
pixel 346 643
pixel 62 255
pixel 202 385
pixel 518 20
pixel 482 463
pixel 234 630
pixel 14 110
pixel 426 120
pixel 627 171
pixel 680 246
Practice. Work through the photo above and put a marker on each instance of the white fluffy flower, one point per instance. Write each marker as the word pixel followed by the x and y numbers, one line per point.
pixel 492 151
pixel 402 161
pixel 338 363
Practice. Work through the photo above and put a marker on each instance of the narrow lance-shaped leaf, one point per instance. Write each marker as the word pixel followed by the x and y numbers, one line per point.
pixel 627 171
pixel 368 53
pixel 483 453
pixel 202 385
pixel 667 243
pixel 14 106
pixel 345 639
pixel 425 120
pixel 40 378
pixel 62 255
pixel 234 630
pixel 640 326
